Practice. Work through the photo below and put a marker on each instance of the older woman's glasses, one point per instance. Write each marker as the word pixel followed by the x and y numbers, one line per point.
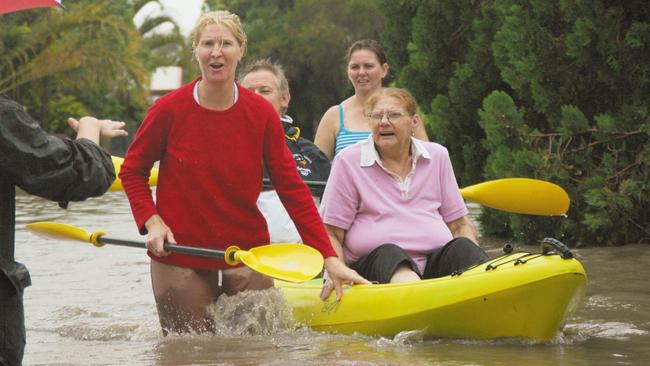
pixel 390 115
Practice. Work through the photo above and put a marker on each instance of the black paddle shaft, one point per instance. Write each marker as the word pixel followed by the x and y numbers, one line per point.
pixel 175 248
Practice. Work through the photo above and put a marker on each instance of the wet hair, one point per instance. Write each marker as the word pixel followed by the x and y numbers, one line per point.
pixel 404 96
pixel 221 17
pixel 370 45
pixel 270 66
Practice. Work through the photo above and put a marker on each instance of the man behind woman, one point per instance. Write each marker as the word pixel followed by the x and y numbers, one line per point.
pixel 267 79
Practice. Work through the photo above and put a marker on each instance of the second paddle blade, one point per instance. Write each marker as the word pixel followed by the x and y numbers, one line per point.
pixel 57 231
pixel 117 184
pixel 520 195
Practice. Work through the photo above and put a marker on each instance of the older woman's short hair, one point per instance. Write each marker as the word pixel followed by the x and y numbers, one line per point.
pixel 221 17
pixel 270 66
pixel 404 96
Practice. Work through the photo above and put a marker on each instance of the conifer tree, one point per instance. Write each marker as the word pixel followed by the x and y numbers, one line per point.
pixel 557 90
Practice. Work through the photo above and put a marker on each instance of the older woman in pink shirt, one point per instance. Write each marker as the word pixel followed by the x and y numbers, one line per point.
pixel 392 207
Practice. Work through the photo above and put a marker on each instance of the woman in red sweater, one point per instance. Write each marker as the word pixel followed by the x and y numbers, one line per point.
pixel 211 137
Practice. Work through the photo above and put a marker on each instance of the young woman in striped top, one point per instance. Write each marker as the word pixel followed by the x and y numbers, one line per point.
pixel 344 124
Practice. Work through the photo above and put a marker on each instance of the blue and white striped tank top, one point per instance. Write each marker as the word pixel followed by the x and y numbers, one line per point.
pixel 346 137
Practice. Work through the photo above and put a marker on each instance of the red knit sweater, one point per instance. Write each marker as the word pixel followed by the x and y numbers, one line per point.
pixel 211 175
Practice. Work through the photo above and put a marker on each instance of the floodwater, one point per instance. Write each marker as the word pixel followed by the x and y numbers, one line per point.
pixel 94 306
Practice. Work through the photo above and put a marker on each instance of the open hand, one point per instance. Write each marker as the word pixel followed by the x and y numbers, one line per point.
pixel 107 128
pixel 338 274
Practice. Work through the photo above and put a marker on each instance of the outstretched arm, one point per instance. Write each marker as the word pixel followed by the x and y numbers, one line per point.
pixel 57 169
pixel 92 128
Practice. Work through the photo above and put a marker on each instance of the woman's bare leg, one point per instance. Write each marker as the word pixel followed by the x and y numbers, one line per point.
pixel 182 297
pixel 243 278
pixel 404 273
pixel 183 294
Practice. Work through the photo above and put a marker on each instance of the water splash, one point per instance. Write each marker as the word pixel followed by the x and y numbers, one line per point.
pixel 402 339
pixel 252 313
pixel 71 312
pixel 82 324
pixel 121 332
pixel 610 330
pixel 606 302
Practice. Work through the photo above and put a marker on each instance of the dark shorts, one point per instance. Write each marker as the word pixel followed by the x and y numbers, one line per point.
pixel 380 264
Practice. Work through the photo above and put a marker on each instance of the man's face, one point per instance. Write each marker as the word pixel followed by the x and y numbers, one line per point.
pixel 265 84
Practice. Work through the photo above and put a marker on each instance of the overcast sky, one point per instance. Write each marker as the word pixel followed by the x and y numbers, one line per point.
pixel 185 12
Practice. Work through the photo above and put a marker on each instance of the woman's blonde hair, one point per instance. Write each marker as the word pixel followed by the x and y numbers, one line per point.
pixel 220 17
pixel 403 95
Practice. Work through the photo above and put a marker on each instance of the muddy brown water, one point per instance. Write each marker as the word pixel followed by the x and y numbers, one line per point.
pixel 94 306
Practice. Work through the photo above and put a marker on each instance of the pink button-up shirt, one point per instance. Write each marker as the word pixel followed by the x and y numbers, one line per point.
pixel 375 207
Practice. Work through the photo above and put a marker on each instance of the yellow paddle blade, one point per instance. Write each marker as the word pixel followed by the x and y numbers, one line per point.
pixel 287 262
pixel 117 184
pixel 520 195
pixel 57 231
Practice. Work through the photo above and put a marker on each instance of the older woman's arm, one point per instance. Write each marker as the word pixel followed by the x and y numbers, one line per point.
pixel 337 236
pixel 339 274
pixel 463 227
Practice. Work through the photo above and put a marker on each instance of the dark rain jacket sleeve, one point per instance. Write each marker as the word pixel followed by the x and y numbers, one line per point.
pixel 47 166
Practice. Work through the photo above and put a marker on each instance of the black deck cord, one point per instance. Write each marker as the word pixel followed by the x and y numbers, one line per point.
pixel 459 272
pixel 507 250
pixel 516 261
pixel 549 246
pixel 532 256
pixel 490 266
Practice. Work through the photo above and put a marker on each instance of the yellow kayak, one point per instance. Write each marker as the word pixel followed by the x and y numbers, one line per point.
pixel 516 295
